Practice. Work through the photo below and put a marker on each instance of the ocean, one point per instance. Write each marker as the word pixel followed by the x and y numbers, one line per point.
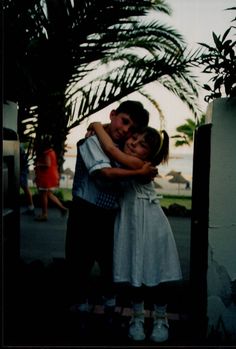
pixel 180 162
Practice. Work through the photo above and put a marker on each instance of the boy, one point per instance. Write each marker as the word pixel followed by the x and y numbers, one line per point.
pixel 91 218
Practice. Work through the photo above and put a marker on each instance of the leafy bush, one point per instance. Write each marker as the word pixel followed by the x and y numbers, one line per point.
pixel 220 61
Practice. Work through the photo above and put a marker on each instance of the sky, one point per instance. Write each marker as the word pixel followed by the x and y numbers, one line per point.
pixel 195 20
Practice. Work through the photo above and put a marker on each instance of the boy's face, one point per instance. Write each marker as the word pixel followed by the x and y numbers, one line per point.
pixel 137 146
pixel 121 126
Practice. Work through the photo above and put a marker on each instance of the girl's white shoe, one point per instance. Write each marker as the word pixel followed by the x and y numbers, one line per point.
pixel 136 329
pixel 160 332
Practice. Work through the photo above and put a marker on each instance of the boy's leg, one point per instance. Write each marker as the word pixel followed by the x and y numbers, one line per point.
pixel 79 251
pixel 104 256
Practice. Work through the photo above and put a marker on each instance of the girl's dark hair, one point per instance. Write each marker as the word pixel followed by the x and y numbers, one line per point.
pixel 159 145
pixel 136 111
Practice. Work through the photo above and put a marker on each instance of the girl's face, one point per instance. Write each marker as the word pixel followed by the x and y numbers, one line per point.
pixel 137 146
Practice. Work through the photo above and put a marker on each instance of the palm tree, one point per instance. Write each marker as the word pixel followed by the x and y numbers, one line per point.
pixel 186 131
pixel 65 60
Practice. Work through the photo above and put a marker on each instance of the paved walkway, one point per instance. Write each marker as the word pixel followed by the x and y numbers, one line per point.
pixel 42 241
pixel 39 315
pixel 45 241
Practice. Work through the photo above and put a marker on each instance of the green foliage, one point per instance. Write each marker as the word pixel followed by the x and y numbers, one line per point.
pixel 59 193
pixel 186 131
pixel 66 194
pixel 220 60
pixel 168 200
pixel 62 194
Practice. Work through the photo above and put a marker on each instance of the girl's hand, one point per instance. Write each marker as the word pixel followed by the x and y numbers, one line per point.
pixel 91 128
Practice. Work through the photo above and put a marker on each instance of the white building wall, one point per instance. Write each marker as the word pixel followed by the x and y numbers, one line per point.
pixel 10 112
pixel 222 220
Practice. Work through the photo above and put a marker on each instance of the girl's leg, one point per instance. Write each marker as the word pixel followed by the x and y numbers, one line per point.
pixel 159 296
pixel 136 328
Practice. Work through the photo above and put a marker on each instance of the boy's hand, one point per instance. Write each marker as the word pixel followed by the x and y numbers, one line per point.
pixel 148 172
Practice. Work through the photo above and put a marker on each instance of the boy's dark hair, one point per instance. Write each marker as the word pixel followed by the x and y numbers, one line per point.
pixel 136 111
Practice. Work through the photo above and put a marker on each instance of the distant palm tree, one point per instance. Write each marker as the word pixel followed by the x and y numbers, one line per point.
pixel 186 131
pixel 65 60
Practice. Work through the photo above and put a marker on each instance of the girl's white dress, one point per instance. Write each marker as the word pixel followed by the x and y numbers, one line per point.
pixel 144 247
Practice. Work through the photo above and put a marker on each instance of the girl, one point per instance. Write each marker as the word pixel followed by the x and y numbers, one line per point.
pixel 145 253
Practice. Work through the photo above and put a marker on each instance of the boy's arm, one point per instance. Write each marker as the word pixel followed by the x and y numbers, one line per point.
pixel 147 171
pixel 99 165
pixel 112 150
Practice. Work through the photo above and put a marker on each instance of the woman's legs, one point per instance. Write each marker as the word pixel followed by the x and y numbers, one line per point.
pixel 46 195
pixel 28 196
pixel 44 202
pixel 44 205
pixel 57 202
pixel 29 199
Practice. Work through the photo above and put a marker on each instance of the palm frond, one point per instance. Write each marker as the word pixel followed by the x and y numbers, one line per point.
pixel 169 70
pixel 74 57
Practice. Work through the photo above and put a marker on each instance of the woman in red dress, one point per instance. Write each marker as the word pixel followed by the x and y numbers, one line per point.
pixel 47 179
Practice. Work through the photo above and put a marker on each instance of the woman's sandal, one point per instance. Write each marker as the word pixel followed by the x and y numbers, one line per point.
pixel 64 212
pixel 41 218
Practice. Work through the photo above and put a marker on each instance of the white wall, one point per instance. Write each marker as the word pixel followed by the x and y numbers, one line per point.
pixel 222 219
pixel 10 112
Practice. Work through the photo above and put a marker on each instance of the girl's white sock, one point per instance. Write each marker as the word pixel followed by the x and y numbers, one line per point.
pixel 138 308
pixel 160 310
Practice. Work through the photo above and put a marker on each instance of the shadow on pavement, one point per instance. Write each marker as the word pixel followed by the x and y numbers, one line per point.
pixel 35 311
